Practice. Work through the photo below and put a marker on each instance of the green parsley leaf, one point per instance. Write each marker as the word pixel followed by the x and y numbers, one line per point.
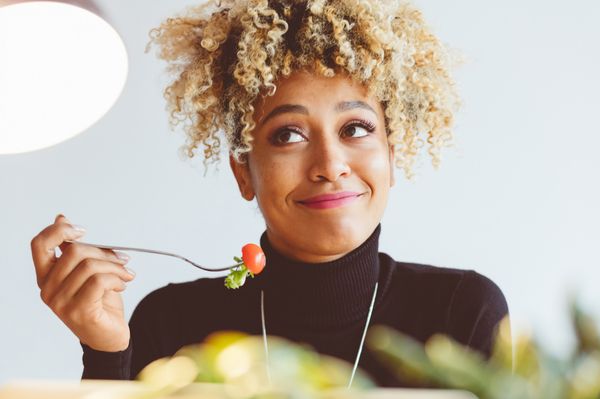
pixel 236 277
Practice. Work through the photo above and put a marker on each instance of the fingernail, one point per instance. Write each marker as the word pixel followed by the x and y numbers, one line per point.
pixel 130 271
pixel 122 255
pixel 78 228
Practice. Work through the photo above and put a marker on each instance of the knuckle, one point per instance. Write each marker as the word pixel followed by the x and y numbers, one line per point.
pixel 95 318
pixel 67 310
pixel 77 250
pixel 73 314
pixel 74 251
pixel 37 243
pixel 87 265
pixel 97 279
pixel 54 304
pixel 69 250
pixel 44 296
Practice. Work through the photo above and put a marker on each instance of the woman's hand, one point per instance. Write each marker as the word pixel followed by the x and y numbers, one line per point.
pixel 82 286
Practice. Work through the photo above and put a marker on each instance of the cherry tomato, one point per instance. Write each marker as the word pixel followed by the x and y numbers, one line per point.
pixel 254 258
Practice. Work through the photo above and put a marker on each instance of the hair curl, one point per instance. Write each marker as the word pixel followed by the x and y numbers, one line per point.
pixel 225 53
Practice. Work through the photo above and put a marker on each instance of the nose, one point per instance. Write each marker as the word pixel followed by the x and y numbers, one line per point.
pixel 329 160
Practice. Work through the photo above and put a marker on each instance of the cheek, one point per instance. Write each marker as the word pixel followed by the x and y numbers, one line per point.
pixel 275 180
pixel 275 191
pixel 375 169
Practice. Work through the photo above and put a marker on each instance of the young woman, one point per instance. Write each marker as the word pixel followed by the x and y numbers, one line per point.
pixel 318 101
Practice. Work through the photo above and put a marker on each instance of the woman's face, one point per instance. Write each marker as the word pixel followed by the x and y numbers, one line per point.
pixel 313 138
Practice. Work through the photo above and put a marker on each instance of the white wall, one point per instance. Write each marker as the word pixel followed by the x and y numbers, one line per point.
pixel 517 202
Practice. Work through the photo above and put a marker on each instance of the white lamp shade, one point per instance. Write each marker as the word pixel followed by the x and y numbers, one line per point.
pixel 62 67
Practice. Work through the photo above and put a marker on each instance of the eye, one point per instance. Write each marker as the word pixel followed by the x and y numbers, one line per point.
pixel 363 124
pixel 285 134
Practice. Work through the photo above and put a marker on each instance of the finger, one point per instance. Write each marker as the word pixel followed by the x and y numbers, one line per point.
pixel 60 218
pixel 74 256
pixel 108 252
pixel 44 244
pixel 68 288
pixel 96 286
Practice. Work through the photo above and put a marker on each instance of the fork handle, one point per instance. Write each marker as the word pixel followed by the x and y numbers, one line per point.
pixel 122 248
pixel 153 252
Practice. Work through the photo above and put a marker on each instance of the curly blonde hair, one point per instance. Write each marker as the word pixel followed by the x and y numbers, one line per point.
pixel 225 53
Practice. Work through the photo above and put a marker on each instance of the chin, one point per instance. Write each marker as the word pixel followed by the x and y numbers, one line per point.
pixel 334 235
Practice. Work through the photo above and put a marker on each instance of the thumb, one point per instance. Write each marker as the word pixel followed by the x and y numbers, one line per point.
pixel 60 218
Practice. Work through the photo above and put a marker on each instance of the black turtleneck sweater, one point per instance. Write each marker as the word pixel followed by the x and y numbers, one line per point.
pixel 322 304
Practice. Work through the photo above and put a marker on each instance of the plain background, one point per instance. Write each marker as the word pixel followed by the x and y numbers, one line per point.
pixel 517 200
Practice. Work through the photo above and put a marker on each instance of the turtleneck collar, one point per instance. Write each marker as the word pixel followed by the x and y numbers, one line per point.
pixel 324 295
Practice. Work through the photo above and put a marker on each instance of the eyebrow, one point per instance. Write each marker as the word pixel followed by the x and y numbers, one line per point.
pixel 300 109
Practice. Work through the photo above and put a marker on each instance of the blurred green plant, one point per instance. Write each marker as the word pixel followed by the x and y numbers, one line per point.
pixel 239 362
pixel 517 369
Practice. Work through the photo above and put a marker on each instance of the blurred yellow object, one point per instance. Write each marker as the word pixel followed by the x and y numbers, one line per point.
pixel 108 389
pixel 169 374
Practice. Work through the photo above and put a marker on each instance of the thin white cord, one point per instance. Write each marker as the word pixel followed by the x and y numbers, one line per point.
pixel 363 336
pixel 264 330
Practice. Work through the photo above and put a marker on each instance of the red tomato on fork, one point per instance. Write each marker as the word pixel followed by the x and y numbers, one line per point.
pixel 254 258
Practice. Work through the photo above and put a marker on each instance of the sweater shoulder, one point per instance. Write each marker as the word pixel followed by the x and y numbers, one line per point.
pixel 423 276
pixel 425 269
pixel 466 284
pixel 463 303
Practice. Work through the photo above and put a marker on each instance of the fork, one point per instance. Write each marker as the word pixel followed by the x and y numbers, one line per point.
pixel 152 251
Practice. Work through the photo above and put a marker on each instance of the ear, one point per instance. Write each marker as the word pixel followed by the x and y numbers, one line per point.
pixel 241 171
pixel 392 166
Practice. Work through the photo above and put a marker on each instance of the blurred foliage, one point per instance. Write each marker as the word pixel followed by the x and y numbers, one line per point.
pixel 517 369
pixel 238 361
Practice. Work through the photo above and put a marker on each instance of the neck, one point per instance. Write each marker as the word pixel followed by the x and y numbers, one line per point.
pixel 284 249
pixel 320 295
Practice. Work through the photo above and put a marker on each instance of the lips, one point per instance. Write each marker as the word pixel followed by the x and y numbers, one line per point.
pixel 329 197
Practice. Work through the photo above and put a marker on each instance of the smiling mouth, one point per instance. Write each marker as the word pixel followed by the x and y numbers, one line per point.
pixel 332 203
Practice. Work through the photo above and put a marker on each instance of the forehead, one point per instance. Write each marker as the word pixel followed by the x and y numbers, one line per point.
pixel 314 92
pixel 304 79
